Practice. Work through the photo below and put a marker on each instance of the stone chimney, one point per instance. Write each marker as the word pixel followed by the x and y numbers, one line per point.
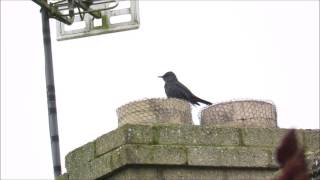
pixel 156 140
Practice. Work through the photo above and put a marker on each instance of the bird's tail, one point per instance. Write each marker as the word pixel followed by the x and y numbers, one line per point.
pixel 202 101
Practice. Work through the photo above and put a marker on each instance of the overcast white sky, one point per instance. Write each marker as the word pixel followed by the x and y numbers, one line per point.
pixel 222 51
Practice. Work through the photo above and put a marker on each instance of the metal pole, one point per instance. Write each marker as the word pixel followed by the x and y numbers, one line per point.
pixel 51 99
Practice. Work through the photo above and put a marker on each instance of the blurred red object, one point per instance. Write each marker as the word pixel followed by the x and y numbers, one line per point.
pixel 291 159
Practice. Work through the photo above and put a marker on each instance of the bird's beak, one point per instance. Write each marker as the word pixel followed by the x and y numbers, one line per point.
pixel 160 76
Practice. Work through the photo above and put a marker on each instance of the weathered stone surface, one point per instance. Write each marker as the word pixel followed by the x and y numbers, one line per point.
pixel 64 176
pixel 139 134
pixel 249 174
pixel 313 161
pixel 228 157
pixel 198 135
pixel 273 160
pixel 136 173
pixel 101 166
pixel 265 137
pixel 167 134
pixel 82 154
pixel 127 134
pixel 108 163
pixel 156 154
pixel 137 154
pixel 190 173
pixel 226 153
pixel 77 161
pixel 184 172
pixel 311 140
pixel 167 173
pixel 81 171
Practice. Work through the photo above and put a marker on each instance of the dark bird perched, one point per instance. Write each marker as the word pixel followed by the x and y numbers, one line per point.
pixel 175 89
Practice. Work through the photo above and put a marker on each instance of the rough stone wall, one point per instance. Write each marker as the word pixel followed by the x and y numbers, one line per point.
pixel 183 151
pixel 314 165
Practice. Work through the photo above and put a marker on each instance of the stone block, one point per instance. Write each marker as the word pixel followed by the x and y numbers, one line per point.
pixel 64 176
pixel 190 173
pixel 80 171
pixel 313 161
pixel 228 157
pixel 273 160
pixel 127 134
pixel 100 166
pixel 198 135
pixel 265 137
pixel 311 140
pixel 139 134
pixel 77 161
pixel 131 154
pixel 107 163
pixel 155 154
pixel 110 141
pixel 136 173
pixel 249 174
